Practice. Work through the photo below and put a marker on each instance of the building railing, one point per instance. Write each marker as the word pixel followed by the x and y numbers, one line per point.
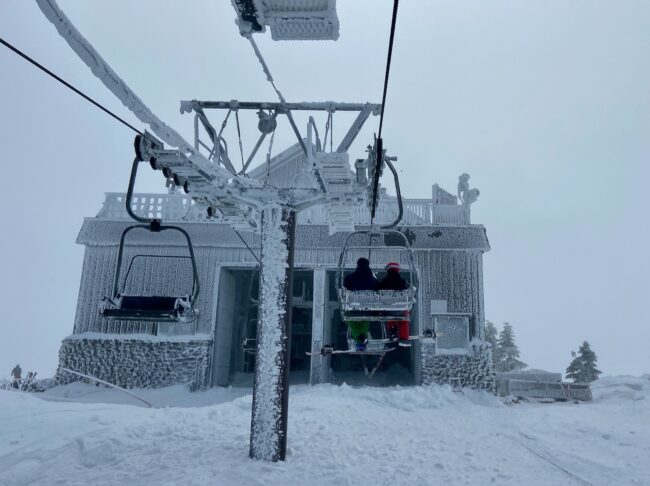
pixel 417 212
pixel 168 207
pixel 180 207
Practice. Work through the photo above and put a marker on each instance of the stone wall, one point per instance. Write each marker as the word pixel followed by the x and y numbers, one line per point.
pixel 132 362
pixel 474 369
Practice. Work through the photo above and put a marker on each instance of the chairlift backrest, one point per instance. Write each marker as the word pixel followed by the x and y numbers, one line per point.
pixel 371 305
pixel 171 275
pixel 118 268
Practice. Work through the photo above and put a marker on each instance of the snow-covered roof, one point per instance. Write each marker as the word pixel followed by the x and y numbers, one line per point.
pixel 282 168
pixel 98 232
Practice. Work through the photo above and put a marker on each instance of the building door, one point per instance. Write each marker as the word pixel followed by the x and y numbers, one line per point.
pixel 223 330
pixel 242 321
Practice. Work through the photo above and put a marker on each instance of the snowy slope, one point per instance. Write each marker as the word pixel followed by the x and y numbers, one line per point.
pixel 337 435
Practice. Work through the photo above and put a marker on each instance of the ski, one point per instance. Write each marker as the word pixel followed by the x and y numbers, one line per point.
pixel 328 350
pixel 388 346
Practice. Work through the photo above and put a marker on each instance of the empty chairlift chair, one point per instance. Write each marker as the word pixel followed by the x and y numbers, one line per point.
pixel 152 308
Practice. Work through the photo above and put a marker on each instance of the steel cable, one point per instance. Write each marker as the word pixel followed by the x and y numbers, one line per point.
pixel 68 85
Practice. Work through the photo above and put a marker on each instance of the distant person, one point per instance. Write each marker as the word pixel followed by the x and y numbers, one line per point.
pixel 397 330
pixel 361 279
pixel 16 373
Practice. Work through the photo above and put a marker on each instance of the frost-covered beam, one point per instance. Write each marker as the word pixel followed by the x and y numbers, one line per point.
pixel 189 105
pixel 120 89
pixel 289 19
pixel 356 127
pixel 197 184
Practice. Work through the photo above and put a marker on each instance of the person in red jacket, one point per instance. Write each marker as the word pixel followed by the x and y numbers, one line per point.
pixel 397 330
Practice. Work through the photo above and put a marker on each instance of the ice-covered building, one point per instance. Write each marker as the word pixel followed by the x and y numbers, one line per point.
pixel 217 348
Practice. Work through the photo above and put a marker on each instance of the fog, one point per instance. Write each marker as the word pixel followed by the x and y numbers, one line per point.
pixel 545 103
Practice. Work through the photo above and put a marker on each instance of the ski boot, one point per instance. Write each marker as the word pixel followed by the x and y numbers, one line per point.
pixel 361 344
pixel 326 350
pixel 429 333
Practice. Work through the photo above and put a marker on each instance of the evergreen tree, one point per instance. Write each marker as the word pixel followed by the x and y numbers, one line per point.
pixel 491 334
pixel 491 337
pixel 583 367
pixel 507 353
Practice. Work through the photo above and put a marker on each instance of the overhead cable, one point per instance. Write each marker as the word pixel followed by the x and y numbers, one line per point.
pixel 68 85
pixel 98 105
pixel 380 142
pixel 388 60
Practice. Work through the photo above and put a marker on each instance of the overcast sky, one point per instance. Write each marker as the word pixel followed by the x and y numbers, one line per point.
pixel 545 103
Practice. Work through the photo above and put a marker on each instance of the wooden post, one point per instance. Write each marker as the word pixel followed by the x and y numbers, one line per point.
pixel 271 386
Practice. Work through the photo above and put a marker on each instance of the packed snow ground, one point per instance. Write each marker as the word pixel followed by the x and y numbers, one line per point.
pixel 81 434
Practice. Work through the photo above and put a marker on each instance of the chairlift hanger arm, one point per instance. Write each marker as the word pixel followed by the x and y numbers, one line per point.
pixel 152 225
pixel 398 191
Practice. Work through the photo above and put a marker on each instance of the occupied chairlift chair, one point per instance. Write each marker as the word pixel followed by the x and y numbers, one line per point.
pixel 123 307
pixel 376 306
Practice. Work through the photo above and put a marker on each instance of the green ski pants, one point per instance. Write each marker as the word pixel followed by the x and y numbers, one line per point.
pixel 358 328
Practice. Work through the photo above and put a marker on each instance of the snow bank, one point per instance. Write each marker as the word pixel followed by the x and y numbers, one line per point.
pixel 172 396
pixel 621 388
pixel 337 435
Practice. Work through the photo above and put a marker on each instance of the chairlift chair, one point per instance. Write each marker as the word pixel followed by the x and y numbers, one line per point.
pixel 149 308
pixel 371 305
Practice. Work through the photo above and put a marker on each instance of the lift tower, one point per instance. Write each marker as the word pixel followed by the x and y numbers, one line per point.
pixel 206 172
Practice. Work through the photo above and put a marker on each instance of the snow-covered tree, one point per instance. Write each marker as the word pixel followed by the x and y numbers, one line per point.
pixel 491 334
pixel 583 367
pixel 507 354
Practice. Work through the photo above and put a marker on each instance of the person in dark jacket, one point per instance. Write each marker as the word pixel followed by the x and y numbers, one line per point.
pixel 397 330
pixel 361 279
pixel 16 373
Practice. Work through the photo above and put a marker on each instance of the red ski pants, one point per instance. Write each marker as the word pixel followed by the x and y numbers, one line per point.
pixel 401 326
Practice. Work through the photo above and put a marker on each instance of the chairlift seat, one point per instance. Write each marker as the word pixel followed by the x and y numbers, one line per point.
pixel 149 308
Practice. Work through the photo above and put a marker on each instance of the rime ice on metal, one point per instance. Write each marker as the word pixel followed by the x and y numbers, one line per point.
pixel 270 400
pixel 289 19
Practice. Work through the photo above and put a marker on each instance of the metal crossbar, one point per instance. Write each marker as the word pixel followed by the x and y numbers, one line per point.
pixel 383 300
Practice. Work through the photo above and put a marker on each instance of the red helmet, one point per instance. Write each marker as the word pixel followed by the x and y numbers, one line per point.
pixel 393 266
